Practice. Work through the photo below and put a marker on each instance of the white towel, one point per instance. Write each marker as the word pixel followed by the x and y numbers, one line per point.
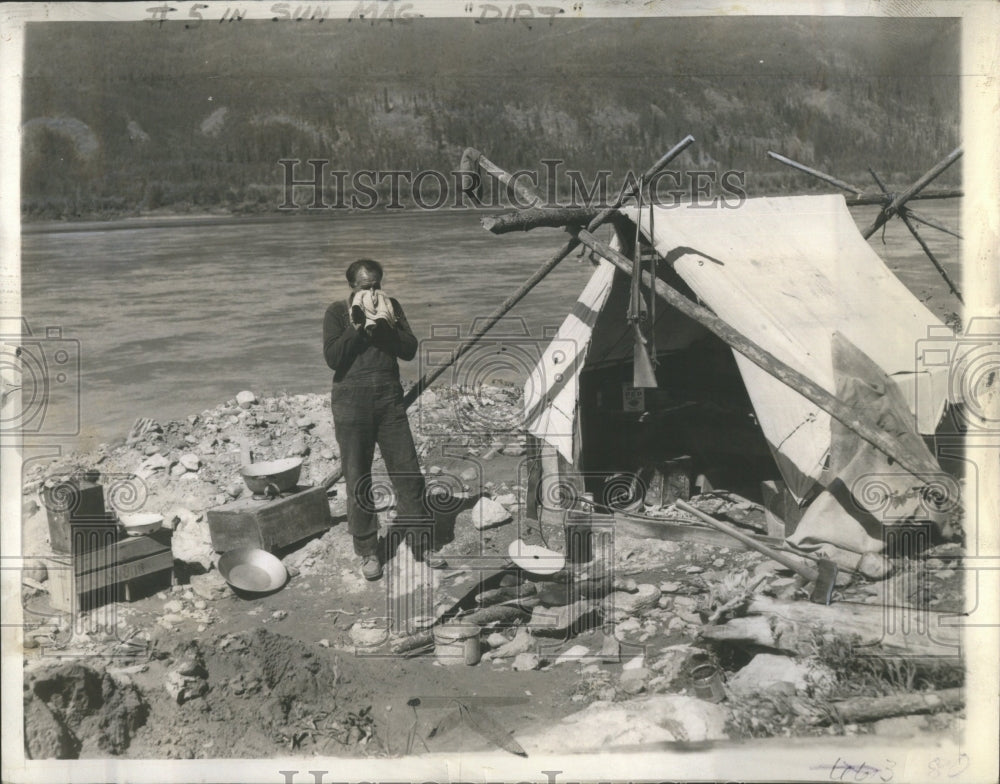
pixel 376 306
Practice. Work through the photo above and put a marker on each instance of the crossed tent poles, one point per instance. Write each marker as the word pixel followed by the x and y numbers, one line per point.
pixel 896 204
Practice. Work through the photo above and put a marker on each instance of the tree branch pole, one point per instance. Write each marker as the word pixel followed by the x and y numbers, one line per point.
pixel 904 215
pixel 919 218
pixel 870 199
pixel 846 186
pixel 428 378
pixel 805 386
pixel 899 200
pixel 539 217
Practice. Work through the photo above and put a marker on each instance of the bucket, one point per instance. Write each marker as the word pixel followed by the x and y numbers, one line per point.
pixel 457 643
pixel 706 681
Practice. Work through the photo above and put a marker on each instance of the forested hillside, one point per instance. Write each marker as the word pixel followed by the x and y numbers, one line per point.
pixel 126 118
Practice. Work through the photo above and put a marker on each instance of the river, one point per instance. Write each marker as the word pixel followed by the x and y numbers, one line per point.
pixel 168 320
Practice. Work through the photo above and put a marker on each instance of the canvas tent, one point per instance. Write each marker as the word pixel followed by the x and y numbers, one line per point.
pixel 794 275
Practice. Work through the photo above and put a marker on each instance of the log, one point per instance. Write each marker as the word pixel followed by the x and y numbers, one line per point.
pixel 895 630
pixel 862 709
pixel 870 199
pixel 413 643
pixel 539 217
pixel 501 613
pixel 858 423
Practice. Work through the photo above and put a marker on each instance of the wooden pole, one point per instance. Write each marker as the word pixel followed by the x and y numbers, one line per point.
pixel 904 215
pixel 515 188
pixel 919 218
pixel 816 173
pixel 538 217
pixel 428 378
pixel 899 200
pixel 877 198
pixel 855 421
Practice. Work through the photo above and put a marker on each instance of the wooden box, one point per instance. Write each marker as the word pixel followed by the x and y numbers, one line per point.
pixel 270 524
pixel 103 575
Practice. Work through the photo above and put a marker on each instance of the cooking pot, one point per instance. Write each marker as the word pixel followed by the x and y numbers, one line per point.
pixel 272 476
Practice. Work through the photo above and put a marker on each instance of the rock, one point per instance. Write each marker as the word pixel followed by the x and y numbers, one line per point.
pixel 35 569
pixel 210 586
pixel 324 643
pixel 514 450
pixel 487 513
pixel 603 725
pixel 470 474
pixel 558 621
pixel 155 462
pixel 174 606
pixel 298 447
pixel 753 629
pixel 507 500
pixel 192 544
pixel 151 449
pixel 635 663
pixel 246 398
pixel 676 663
pixel 621 603
pixel 178 469
pixel 634 681
pixel 279 615
pixel 767 669
pixel 235 489
pixel 327 454
pixel 183 688
pixel 369 633
pixel 304 423
pixel 574 654
pixel 496 640
pixel 190 461
pixel 524 662
pixel 522 643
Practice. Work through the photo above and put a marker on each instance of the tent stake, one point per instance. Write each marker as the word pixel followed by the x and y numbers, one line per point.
pixel 805 386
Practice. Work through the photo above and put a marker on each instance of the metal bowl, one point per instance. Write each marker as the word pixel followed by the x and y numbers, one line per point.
pixel 251 569
pixel 272 476
pixel 139 523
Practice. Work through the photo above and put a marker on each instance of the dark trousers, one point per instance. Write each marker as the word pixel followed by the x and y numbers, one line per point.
pixel 365 414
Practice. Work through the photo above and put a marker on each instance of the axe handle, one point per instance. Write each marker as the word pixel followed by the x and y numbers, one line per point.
pixel 810 574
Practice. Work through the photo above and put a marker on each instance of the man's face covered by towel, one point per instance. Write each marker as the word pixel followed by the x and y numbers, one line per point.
pixel 370 306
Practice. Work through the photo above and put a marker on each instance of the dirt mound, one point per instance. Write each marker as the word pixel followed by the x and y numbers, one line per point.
pixel 71 710
pixel 254 693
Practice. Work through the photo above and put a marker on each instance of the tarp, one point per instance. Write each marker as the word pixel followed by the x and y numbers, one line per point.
pixel 788 273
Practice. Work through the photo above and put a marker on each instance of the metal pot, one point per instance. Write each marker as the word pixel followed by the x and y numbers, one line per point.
pixel 252 569
pixel 272 476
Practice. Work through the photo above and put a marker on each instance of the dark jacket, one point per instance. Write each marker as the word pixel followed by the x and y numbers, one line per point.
pixel 353 355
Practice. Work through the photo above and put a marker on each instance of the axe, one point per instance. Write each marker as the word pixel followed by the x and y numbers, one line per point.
pixel 823 577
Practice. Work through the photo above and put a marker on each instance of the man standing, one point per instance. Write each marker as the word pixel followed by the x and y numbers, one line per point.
pixel 364 336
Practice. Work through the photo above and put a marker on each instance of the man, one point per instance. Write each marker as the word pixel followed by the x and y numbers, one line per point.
pixel 364 336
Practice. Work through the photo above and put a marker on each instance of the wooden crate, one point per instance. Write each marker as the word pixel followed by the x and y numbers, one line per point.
pixel 105 574
pixel 269 525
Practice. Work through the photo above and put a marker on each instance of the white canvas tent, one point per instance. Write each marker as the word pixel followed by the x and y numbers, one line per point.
pixel 790 274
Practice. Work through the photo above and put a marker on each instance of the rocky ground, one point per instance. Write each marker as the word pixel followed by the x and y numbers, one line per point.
pixel 652 641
